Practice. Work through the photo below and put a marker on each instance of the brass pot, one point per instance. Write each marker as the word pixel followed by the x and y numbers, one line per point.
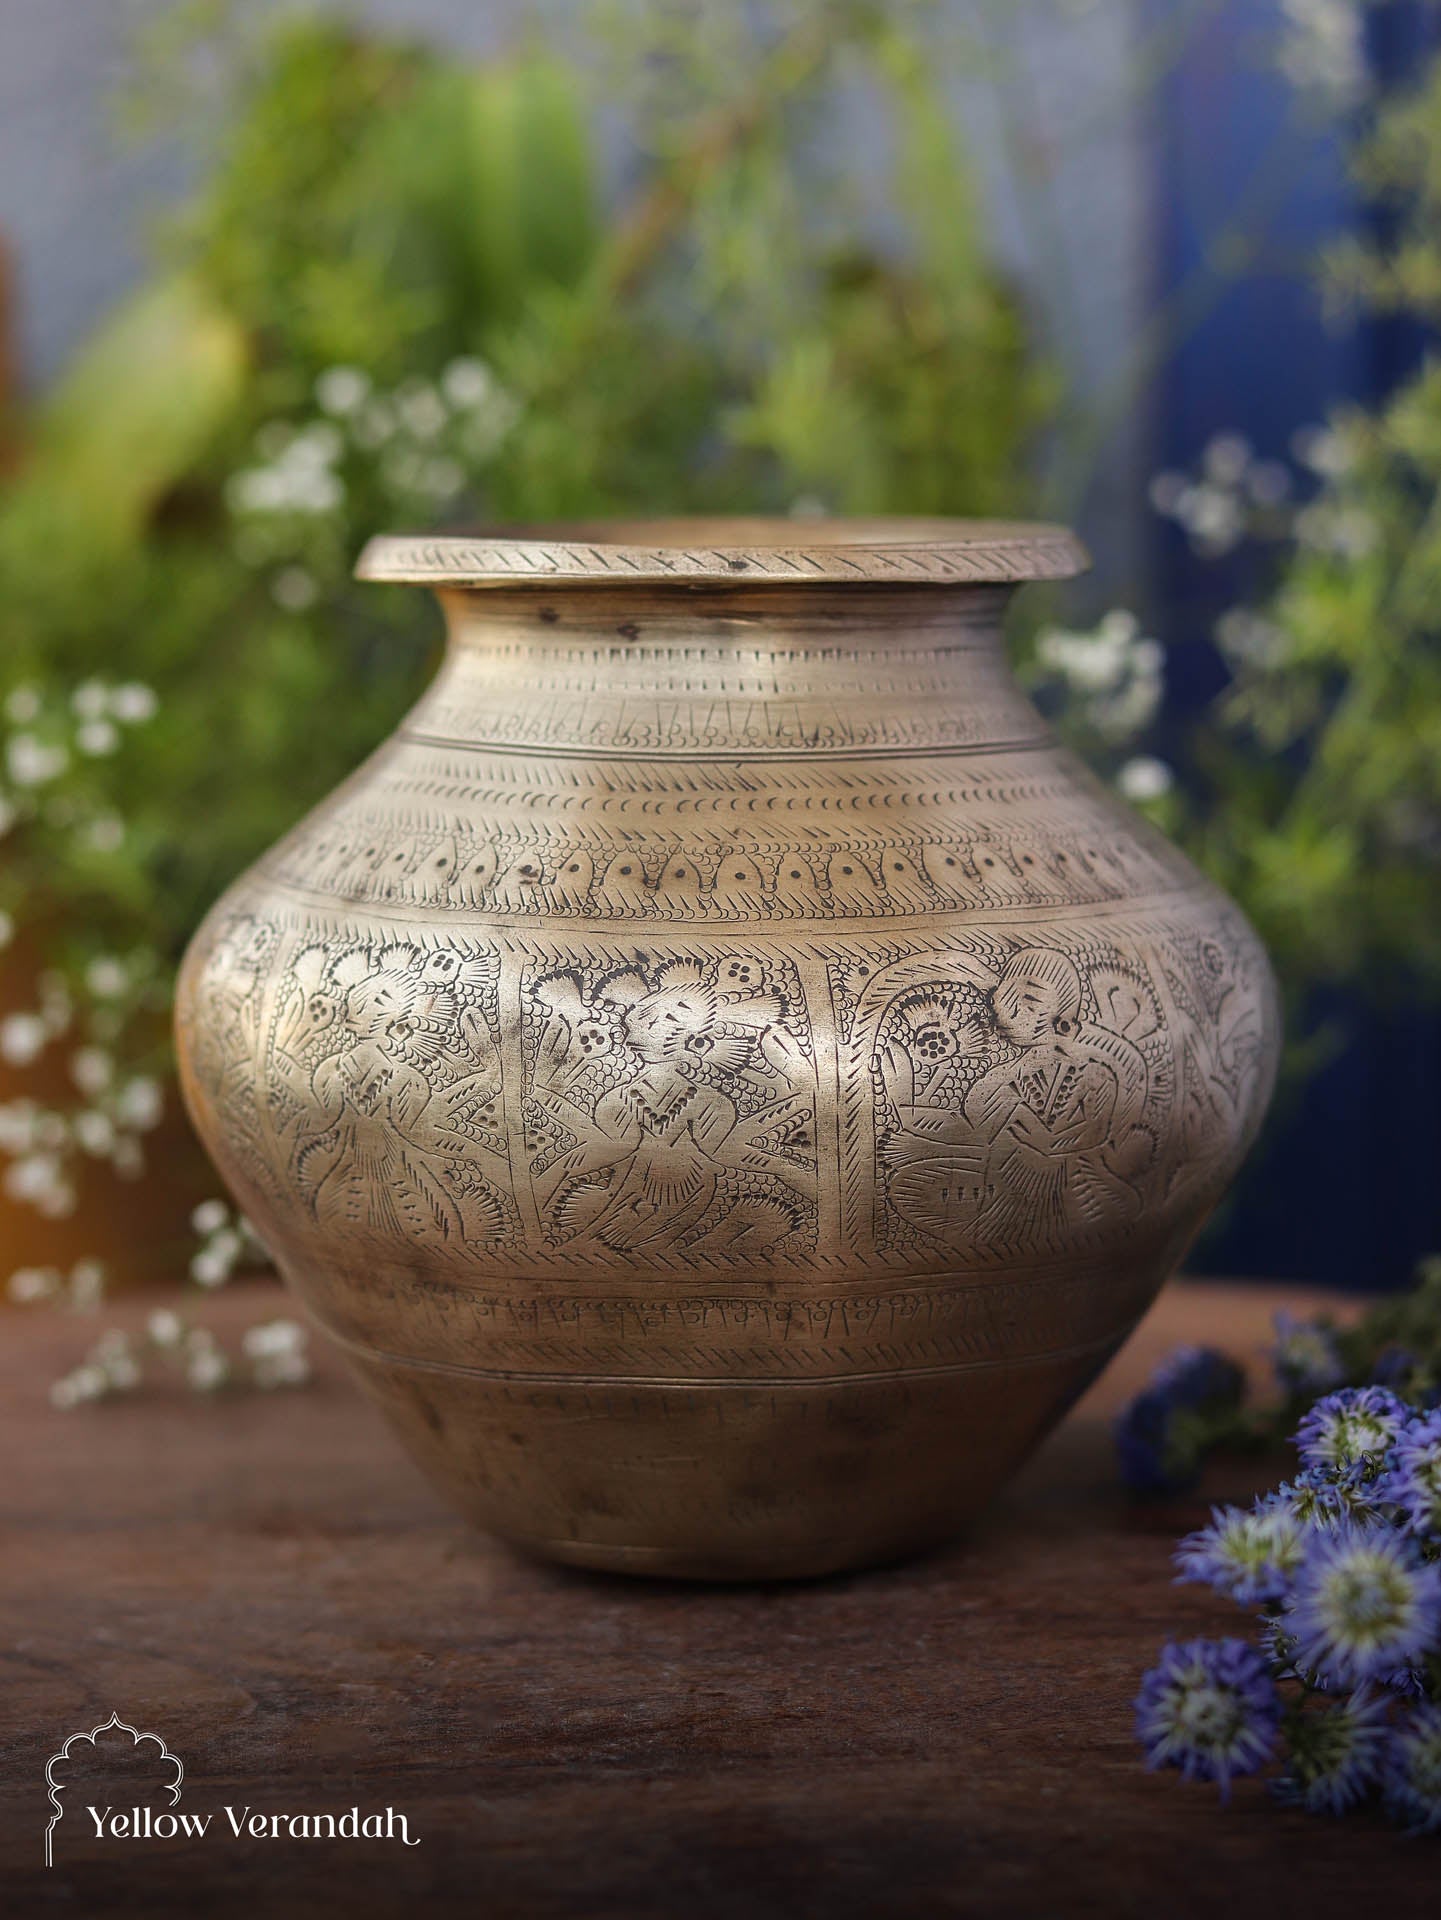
pixel 726 1077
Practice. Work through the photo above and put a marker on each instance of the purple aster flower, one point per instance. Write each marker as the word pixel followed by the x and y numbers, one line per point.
pixel 1305 1356
pixel 1150 1460
pixel 1251 1557
pixel 1351 1429
pixel 1199 1377
pixel 1334 1753
pixel 1159 1437
pixel 1210 1708
pixel 1412 1779
pixel 1412 1480
pixel 1363 1604
pixel 1321 1498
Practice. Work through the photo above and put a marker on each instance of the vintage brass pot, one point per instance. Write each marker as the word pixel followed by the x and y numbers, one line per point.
pixel 726 1077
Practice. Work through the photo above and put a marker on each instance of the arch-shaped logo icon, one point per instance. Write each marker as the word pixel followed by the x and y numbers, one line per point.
pixel 57 1787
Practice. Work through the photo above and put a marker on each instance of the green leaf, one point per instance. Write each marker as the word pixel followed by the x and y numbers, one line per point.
pixel 496 165
pixel 138 410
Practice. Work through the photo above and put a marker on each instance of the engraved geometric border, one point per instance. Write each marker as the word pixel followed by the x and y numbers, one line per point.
pixel 938 551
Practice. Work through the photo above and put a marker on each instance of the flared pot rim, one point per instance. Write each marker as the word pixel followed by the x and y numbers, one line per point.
pixel 709 550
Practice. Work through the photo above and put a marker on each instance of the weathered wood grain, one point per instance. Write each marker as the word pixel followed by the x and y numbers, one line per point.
pixel 270 1586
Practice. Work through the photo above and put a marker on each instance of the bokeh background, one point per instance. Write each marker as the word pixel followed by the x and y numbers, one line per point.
pixel 276 278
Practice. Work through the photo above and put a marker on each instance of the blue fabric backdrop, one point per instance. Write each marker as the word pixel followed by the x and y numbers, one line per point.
pixel 1346 1186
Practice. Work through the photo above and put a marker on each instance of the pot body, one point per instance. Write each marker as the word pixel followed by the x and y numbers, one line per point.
pixel 724 1075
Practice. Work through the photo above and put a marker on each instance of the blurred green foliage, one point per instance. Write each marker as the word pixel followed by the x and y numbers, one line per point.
pixel 407 294
pixel 1321 808
pixel 187 506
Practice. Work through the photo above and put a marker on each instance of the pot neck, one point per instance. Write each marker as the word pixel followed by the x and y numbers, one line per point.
pixel 720 670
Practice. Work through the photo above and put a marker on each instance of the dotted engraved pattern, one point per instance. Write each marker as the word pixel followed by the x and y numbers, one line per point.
pixel 1009 553
pixel 762 844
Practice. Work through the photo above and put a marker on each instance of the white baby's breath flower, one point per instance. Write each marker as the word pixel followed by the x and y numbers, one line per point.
pixel 374 425
pixel 1269 483
pixel 90 700
pixel 316 446
pixel 86 1382
pixel 32 762
pixel 165 1327
pixel 115 1356
pixel 140 1104
pixel 1323 51
pixel 123 1373
pixel 209 1217
pixel 421 410
pixel 92 1069
pixel 1145 778
pixel 1214 519
pixel 19 1126
pixel 56 1007
pixel 128 1157
pixel 467 382
pixel 208 1269
pixel 106 832
pixel 94 1132
pixel 97 737
pixel 87 1284
pixel 22 705
pixel 442 477
pixel 272 1337
pixel 133 703
pixel 294 589
pixel 340 390
pixel 206 1368
pixel 1329 451
pixel 29 1284
pixel 106 977
pixel 281 1370
pixel 1247 638
pixel 1225 458
pixel 22 1038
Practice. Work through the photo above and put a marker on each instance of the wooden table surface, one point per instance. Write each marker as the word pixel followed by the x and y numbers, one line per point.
pixel 267 1584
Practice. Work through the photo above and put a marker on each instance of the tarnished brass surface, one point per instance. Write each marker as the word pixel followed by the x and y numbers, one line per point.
pixel 726 1077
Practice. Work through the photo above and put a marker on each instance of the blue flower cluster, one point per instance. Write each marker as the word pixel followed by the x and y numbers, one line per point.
pixel 1163 1435
pixel 1343 1687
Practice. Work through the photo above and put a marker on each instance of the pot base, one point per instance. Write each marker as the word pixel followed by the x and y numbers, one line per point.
pixel 726 1480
